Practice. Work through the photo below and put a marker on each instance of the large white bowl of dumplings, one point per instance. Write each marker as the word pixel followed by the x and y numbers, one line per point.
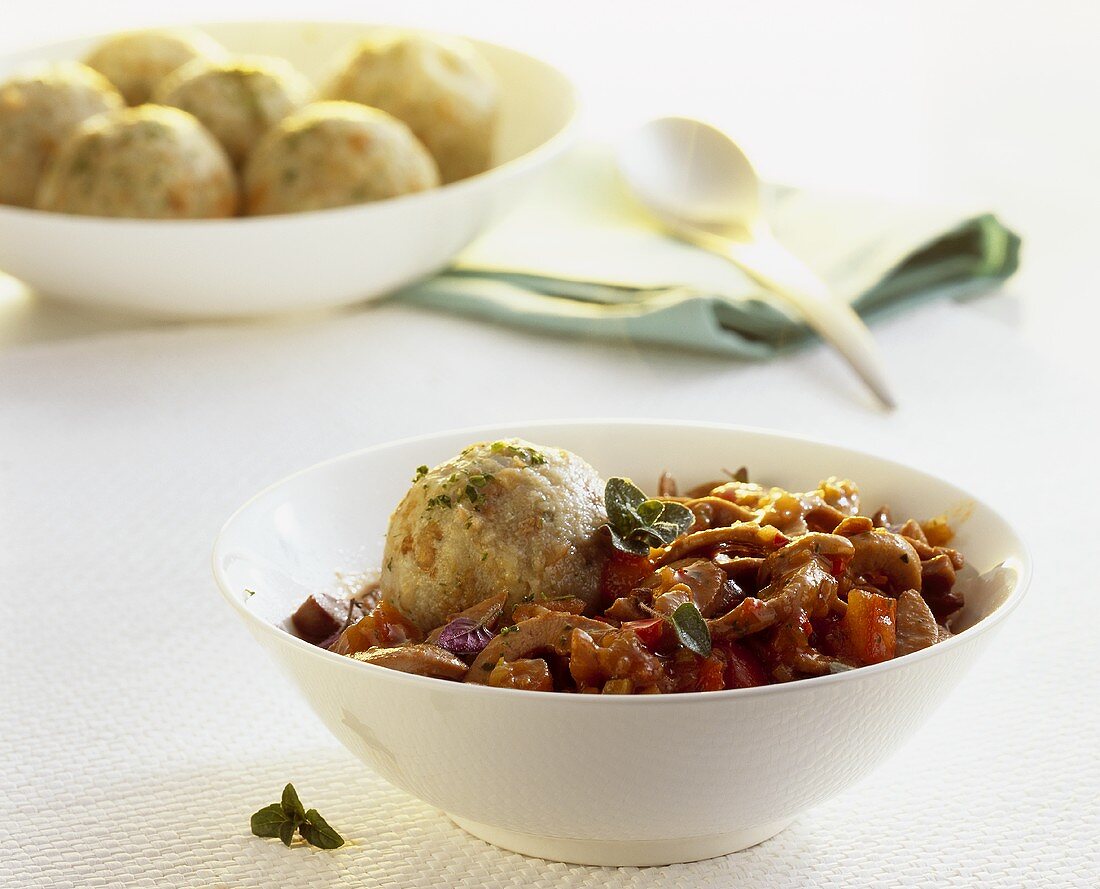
pixel 255 257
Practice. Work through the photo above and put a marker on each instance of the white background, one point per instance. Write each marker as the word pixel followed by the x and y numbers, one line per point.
pixel 140 727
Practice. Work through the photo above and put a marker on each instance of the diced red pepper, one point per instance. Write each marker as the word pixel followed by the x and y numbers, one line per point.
pixel 711 674
pixel 623 572
pixel 839 564
pixel 743 668
pixel 649 632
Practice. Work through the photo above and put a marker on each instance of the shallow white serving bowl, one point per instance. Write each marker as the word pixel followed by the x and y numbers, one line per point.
pixel 275 264
pixel 589 779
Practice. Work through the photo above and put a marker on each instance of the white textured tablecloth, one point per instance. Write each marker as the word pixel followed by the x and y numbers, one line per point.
pixel 141 726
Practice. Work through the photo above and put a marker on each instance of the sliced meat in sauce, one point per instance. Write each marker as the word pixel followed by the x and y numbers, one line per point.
pixel 916 625
pixel 487 612
pixel 320 617
pixel 419 658
pixel 546 633
pixel 529 674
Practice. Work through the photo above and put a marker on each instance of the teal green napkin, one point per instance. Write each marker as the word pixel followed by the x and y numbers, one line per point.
pixel 579 259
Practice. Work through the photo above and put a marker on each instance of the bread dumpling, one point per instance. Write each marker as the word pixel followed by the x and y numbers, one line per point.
pixel 149 162
pixel 38 110
pixel 332 154
pixel 505 517
pixel 237 99
pixel 441 87
pixel 137 61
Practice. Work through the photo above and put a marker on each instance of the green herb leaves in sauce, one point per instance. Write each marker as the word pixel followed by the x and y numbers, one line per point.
pixel 691 629
pixel 637 523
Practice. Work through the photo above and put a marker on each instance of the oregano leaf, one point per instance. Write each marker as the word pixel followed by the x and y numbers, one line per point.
pixel 650 510
pixel 638 523
pixel 286 832
pixel 622 499
pixel 627 544
pixel 678 515
pixel 691 629
pixel 317 832
pixel 268 821
pixel 292 806
pixel 283 818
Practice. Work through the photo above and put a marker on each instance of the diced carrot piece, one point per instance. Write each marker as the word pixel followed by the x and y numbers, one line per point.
pixel 937 531
pixel 870 624
pixel 712 672
pixel 649 632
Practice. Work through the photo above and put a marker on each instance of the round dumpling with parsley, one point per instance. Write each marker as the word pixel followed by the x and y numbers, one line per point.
pixel 505 517
pixel 440 86
pixel 39 107
pixel 334 154
pixel 237 99
pixel 137 61
pixel 148 162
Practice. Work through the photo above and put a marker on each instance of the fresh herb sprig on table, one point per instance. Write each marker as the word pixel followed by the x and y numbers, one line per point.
pixel 637 522
pixel 283 818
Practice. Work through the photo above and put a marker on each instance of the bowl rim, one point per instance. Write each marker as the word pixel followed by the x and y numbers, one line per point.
pixel 544 151
pixel 1022 560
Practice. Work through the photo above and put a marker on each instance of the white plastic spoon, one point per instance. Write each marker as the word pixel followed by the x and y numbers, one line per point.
pixel 701 186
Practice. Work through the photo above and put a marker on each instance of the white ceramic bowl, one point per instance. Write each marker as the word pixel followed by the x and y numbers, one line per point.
pixel 605 780
pixel 261 265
